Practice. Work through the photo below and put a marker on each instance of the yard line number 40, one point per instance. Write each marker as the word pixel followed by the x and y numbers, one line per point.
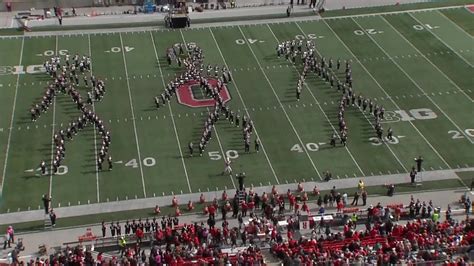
pixel 148 162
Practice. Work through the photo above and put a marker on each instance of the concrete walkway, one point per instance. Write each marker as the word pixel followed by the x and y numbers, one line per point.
pixel 56 238
pixel 144 203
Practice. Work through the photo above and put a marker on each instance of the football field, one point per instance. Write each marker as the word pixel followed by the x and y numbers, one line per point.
pixel 418 65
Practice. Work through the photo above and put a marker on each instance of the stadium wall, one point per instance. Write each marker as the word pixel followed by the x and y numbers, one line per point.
pixel 329 4
pixel 40 4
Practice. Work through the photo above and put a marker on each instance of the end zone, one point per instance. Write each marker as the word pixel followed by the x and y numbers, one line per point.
pixel 470 8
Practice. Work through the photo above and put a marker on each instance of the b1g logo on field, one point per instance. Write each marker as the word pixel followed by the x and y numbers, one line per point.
pixel 17 70
pixel 190 94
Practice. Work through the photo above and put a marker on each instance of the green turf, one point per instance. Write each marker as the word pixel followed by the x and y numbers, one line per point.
pixel 403 68
pixel 461 17
pixel 466 177
pixel 141 213
pixel 10 31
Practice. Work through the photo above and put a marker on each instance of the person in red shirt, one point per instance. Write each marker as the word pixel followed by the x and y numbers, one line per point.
pixel 300 187
pixel 304 197
pixel 139 235
pixel 297 207
pixel 340 206
pixel 316 191
pixel 174 201
pixel 289 235
pixel 177 211
pixel 157 210
pixel 190 206
pixel 212 211
pixel 274 190
pixel 224 196
pixel 398 212
pixel 292 201
pixel 305 207
pixel 244 208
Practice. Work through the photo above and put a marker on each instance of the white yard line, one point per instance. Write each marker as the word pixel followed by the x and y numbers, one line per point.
pixel 133 114
pixel 172 116
pixel 317 102
pixel 95 130
pixel 245 108
pixel 11 122
pixel 442 73
pixel 416 84
pixel 386 95
pixel 455 24
pixel 281 105
pixel 215 128
pixel 437 37
pixel 52 133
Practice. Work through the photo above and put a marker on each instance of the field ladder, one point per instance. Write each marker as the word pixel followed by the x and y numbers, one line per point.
pixel 241 195
pixel 47 222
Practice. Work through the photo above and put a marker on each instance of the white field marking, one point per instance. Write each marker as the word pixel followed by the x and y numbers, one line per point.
pixel 11 122
pixel 133 114
pixel 365 116
pixel 318 104
pixel 456 25
pixel 437 37
pixel 386 94
pixel 207 108
pixel 245 108
pixel 396 105
pixel 52 134
pixel 95 130
pixel 320 108
pixel 282 108
pixel 171 113
pixel 411 44
pixel 418 86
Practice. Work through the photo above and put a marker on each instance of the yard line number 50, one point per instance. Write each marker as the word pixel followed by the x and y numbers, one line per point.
pixel 231 154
